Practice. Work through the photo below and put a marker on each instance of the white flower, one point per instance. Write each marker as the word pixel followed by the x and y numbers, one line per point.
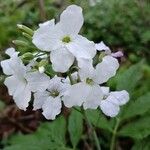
pixel 21 83
pixel 50 99
pixel 63 39
pixel 102 47
pixel 88 92
pixel 110 106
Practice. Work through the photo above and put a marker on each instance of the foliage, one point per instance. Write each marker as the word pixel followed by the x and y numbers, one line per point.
pixel 121 24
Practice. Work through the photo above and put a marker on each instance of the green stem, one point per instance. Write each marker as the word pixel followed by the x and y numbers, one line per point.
pixel 93 131
pixel 113 139
pixel 2 78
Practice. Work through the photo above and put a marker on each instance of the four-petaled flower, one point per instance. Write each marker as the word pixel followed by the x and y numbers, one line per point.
pixel 50 99
pixel 21 82
pixel 63 41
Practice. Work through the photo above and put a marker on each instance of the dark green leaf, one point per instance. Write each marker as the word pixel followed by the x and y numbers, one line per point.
pixel 98 119
pixel 128 80
pixel 75 127
pixel 142 145
pixel 138 107
pixel 50 136
pixel 138 129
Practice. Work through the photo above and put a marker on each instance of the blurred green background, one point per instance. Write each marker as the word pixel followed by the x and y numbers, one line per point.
pixel 123 25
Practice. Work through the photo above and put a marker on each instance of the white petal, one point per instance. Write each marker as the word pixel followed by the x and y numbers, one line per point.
pixel 51 108
pixel 47 24
pixel 109 109
pixel 11 83
pixel 47 37
pixel 22 97
pixel 76 95
pixel 101 46
pixel 71 20
pixel 61 60
pixel 57 84
pixel 94 97
pixel 122 97
pixel 39 99
pixel 6 67
pixel 106 69
pixel 81 47
pixel 13 65
pixel 19 90
pixel 105 90
pixel 11 51
pixel 86 69
pixel 37 81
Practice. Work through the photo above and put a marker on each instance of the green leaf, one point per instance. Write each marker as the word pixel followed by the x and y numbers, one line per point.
pixel 138 107
pixel 75 127
pixel 98 119
pixel 128 80
pixel 137 129
pixel 142 145
pixel 50 136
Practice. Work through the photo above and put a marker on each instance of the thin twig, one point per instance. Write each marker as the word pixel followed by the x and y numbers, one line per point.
pixel 42 10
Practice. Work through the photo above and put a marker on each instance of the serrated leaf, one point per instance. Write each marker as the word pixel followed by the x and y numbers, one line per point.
pixel 75 127
pixel 98 119
pixel 50 136
pixel 138 107
pixel 138 129
pixel 129 79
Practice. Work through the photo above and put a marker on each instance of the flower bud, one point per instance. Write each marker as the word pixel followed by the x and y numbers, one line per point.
pixel 25 29
pixel 19 43
pixel 43 63
pixel 28 36
pixel 27 56
pixel 41 69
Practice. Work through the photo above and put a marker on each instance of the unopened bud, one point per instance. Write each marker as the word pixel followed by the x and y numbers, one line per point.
pixel 19 43
pixel 41 69
pixel 27 56
pixel 27 35
pixel 25 29
pixel 43 63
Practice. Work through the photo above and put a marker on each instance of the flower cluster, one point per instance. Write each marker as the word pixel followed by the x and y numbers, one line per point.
pixel 80 68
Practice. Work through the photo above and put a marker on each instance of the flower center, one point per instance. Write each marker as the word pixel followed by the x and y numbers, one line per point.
pixel 54 93
pixel 89 81
pixel 66 39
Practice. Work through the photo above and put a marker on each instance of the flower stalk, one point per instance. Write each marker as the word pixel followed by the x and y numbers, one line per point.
pixel 113 139
pixel 93 130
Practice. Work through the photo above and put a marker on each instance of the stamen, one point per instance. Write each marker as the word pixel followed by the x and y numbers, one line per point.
pixel 66 39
